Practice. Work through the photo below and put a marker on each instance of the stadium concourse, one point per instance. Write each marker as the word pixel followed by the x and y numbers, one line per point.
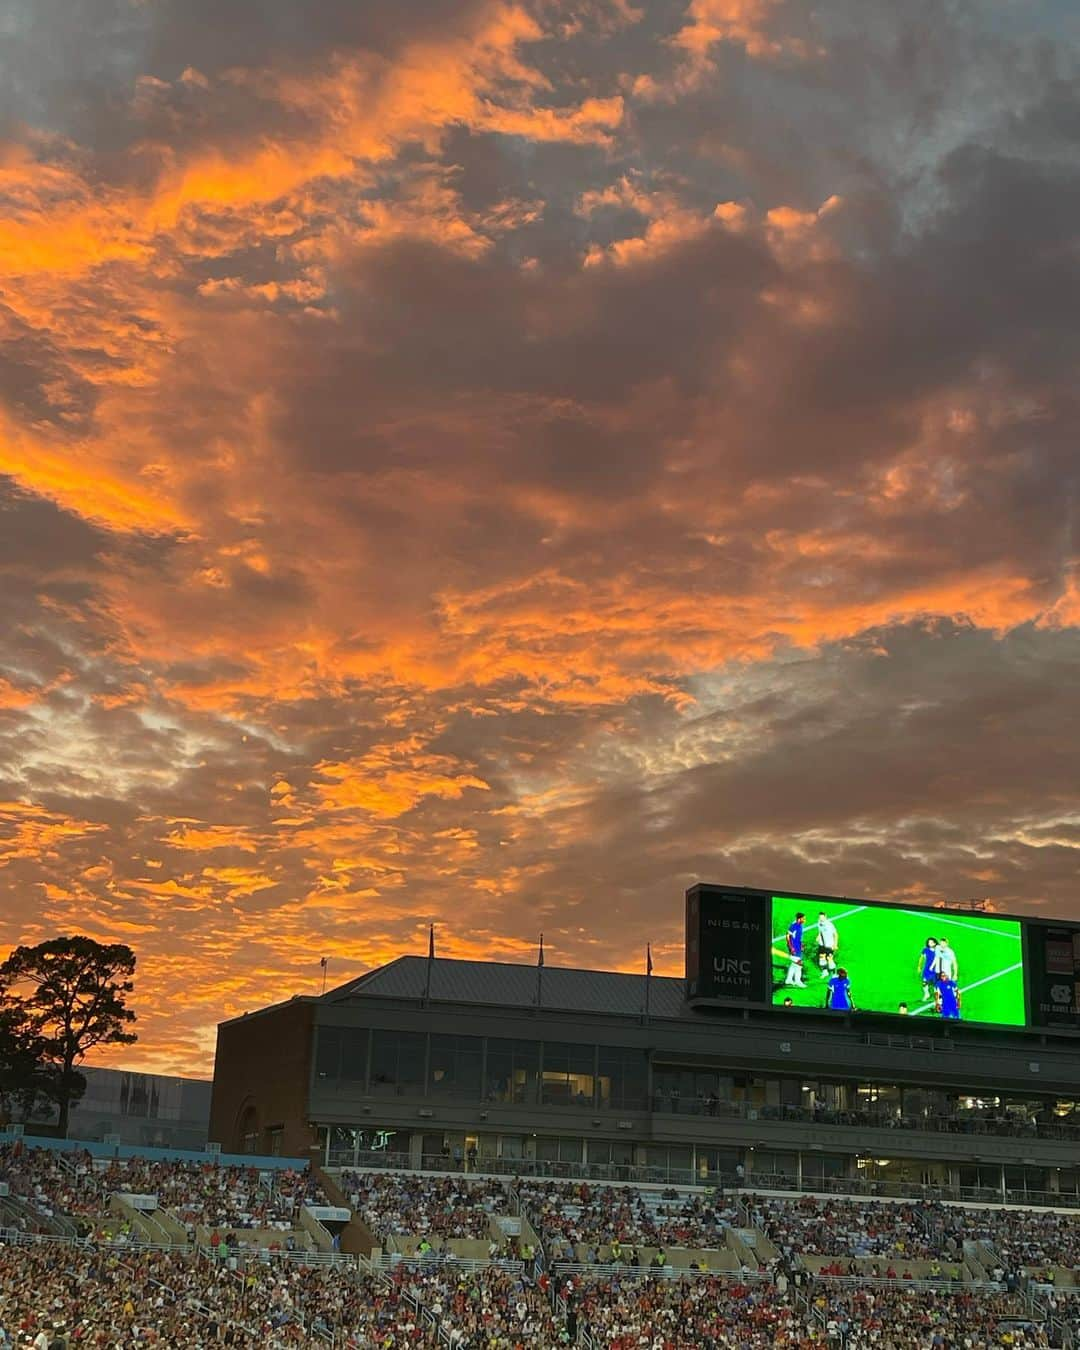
pixel 154 1250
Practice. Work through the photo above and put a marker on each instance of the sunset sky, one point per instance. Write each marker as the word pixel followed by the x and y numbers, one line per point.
pixel 497 462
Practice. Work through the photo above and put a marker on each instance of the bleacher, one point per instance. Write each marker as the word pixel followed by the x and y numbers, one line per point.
pixel 473 1261
pixel 588 1225
pixel 156 1202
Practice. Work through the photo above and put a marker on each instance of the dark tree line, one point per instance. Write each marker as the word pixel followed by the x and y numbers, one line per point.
pixel 58 1001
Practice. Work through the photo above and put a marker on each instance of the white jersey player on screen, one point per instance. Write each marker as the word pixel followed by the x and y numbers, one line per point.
pixel 945 964
pixel 828 941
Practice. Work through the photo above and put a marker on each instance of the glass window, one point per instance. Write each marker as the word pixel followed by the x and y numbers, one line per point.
pixel 328 1053
pixel 455 1066
pixel 610 1152
pixel 397 1062
pixel 513 1069
pixel 1024 1180
pixel 878 1101
pixel 622 1078
pixel 1068 1180
pixel 768 1163
pixel 568 1078
pixel 717 1161
pixel 821 1167
pixel 571 1150
pixel 354 1053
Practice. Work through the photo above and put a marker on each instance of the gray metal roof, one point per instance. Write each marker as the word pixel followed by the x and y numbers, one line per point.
pixel 512 986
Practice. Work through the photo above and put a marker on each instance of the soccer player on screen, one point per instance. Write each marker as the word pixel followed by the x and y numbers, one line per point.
pixel 927 957
pixel 948 1000
pixel 945 964
pixel 827 943
pixel 795 951
pixel 838 994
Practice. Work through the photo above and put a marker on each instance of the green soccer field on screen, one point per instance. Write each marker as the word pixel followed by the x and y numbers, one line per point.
pixel 847 957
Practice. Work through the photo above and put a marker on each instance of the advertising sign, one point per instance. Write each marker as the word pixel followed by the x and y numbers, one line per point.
pixel 1054 960
pixel 727 945
pixel 820 953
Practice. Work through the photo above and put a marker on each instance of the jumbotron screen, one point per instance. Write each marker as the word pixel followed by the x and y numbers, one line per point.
pixel 843 956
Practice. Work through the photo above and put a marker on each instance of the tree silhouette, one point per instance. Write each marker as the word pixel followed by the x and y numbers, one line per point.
pixel 24 1077
pixel 72 991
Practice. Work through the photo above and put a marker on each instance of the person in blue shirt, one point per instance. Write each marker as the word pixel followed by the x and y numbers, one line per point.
pixel 795 951
pixel 838 994
pixel 927 957
pixel 948 999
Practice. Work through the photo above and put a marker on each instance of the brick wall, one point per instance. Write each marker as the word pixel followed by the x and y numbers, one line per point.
pixel 261 1074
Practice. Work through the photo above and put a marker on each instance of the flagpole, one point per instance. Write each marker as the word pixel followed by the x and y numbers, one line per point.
pixel 324 963
pixel 540 974
pixel 430 962
pixel 648 977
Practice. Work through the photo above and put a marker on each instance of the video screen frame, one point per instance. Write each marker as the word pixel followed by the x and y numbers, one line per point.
pixel 884 959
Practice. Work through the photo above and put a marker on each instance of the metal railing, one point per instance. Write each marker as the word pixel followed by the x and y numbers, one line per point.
pixel 860 1280
pixel 863 1118
pixel 18 1238
pixel 629 1174
pixel 263 1255
pixel 874 1189
pixel 608 1270
pixel 388 1262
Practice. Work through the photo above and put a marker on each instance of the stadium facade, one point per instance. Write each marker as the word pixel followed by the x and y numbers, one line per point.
pixel 128 1107
pixel 511 1068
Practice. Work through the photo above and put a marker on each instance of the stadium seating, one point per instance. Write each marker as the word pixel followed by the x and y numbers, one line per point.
pixel 707 1311
pixel 870 1275
pixel 65 1193
pixel 582 1222
pixel 95 1297
pixel 436 1209
pixel 910 1236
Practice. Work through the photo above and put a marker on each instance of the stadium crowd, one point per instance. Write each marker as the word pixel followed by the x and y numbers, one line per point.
pixel 488 1307
pixel 393 1203
pixel 56 1296
pixel 59 1295
pixel 93 1297
pixel 707 1312
pixel 814 1227
pixel 1021 1240
pixel 76 1186
pixel 576 1220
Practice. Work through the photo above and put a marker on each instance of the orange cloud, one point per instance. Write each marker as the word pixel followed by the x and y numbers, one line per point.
pixel 425 465
pixel 386 784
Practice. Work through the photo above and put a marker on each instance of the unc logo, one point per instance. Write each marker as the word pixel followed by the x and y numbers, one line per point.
pixel 729 965
pixel 1060 993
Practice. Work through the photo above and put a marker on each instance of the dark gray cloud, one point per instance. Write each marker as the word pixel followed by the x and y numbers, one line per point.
pixel 548 503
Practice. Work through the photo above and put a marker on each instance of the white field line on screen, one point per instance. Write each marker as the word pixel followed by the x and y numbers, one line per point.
pixel 809 927
pixel 985 980
pixel 977 927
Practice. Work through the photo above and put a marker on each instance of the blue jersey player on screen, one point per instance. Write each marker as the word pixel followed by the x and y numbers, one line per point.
pixel 948 999
pixel 927 958
pixel 795 952
pixel 838 994
pixel 795 935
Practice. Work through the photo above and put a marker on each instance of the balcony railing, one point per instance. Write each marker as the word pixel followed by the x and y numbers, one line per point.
pixel 961 1122
pixel 639 1174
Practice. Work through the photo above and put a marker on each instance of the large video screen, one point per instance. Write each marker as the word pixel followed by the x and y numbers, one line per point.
pixel 847 957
